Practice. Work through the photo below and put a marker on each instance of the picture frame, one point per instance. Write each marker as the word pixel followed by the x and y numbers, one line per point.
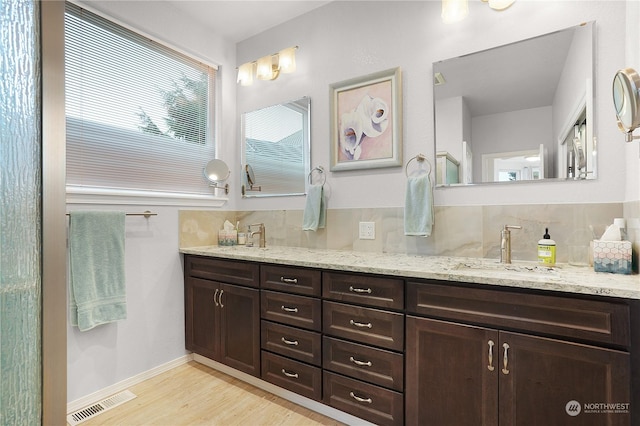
pixel 366 121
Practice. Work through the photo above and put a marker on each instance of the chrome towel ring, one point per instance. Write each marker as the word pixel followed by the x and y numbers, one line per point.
pixel 420 158
pixel 320 170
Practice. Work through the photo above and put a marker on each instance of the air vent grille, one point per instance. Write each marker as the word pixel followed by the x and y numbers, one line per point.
pixel 106 404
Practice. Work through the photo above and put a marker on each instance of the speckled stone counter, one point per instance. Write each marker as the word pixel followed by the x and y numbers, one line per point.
pixel 563 278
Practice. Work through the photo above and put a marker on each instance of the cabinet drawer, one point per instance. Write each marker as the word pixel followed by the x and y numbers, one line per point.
pixel 373 403
pixel 366 325
pixel 364 289
pixel 299 311
pixel 573 317
pixel 295 376
pixel 377 366
pixel 303 345
pixel 228 271
pixel 291 280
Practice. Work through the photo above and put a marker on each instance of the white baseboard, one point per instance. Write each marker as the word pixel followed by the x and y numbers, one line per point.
pixel 124 384
pixel 316 406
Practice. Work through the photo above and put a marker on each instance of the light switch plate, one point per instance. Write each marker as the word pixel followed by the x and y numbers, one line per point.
pixel 367 230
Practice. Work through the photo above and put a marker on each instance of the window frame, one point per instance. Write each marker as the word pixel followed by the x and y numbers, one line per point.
pixel 85 194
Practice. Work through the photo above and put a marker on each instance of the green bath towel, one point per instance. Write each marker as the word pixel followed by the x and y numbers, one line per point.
pixel 97 279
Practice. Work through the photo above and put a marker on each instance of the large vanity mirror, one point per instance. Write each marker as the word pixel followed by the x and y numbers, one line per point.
pixel 519 112
pixel 276 149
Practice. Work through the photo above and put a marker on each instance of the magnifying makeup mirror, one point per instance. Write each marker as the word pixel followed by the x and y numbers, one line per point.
pixel 626 100
pixel 216 172
pixel 251 179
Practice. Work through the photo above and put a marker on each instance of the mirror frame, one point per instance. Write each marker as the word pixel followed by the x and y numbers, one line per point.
pixel 582 110
pixel 259 186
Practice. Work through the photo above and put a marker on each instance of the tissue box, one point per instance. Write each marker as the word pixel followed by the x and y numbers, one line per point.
pixel 612 256
pixel 227 238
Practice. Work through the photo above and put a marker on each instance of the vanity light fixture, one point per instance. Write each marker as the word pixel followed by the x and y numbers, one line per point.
pixel 268 67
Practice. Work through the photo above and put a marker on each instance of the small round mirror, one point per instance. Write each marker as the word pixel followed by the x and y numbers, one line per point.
pixel 626 99
pixel 216 171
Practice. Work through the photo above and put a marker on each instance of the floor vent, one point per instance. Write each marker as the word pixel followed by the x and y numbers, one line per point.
pixel 87 413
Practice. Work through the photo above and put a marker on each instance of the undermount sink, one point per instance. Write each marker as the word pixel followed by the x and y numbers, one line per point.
pixel 506 267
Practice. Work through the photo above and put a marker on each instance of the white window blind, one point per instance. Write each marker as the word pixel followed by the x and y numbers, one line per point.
pixel 138 114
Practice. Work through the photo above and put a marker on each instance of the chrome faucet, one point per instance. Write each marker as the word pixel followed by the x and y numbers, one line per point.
pixel 505 243
pixel 261 231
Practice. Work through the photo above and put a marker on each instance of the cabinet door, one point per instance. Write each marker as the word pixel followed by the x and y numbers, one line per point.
pixel 201 319
pixel 555 382
pixel 451 379
pixel 240 328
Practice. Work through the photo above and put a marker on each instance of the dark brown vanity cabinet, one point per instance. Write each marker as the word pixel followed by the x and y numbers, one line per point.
pixel 363 346
pixel 291 312
pixel 491 357
pixel 222 318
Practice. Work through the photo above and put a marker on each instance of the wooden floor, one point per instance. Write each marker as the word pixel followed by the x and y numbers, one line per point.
pixel 194 394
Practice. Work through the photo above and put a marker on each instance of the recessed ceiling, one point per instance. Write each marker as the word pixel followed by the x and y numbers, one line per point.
pixel 237 20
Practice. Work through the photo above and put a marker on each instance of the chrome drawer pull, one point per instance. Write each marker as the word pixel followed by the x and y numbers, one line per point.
pixel 506 358
pixel 361 363
pixel 490 366
pixel 286 309
pixel 359 290
pixel 360 324
pixel 357 398
pixel 289 342
pixel 292 375
pixel 220 298
pixel 289 280
pixel 214 297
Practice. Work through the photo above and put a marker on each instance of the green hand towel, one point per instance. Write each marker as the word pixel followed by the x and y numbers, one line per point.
pixel 97 278
pixel 418 209
pixel 315 210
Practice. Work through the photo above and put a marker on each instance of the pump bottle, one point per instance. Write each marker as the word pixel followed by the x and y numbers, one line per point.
pixel 547 250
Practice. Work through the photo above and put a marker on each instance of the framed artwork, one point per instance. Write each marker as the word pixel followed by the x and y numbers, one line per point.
pixel 366 121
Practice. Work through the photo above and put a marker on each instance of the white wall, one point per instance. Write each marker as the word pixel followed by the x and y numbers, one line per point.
pixel 450 125
pixel 511 131
pixel 348 39
pixel 153 333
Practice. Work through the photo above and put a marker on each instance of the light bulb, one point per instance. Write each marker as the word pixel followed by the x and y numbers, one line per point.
pixel 454 10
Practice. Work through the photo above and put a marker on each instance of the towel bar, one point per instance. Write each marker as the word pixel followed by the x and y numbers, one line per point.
pixel 147 214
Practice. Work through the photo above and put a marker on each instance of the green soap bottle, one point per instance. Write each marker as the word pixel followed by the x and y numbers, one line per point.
pixel 547 250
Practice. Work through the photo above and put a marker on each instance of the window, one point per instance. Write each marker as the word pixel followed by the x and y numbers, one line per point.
pixel 138 114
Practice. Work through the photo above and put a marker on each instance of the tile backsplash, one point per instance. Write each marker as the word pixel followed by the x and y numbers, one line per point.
pixel 469 231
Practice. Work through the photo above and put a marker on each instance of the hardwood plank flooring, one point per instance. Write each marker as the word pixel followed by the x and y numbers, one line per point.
pixel 194 394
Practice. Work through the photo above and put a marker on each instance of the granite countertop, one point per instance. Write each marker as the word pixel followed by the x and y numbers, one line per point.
pixel 563 277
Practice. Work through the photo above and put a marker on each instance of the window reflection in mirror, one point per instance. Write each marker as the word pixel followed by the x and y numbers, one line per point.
pixel 498 109
pixel 275 149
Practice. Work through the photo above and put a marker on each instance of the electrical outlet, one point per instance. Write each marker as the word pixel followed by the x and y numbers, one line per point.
pixel 367 230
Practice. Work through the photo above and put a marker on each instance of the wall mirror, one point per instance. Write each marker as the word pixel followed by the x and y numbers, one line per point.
pixel 518 112
pixel 276 149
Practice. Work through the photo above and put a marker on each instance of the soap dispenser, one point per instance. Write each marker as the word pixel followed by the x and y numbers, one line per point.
pixel 547 250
